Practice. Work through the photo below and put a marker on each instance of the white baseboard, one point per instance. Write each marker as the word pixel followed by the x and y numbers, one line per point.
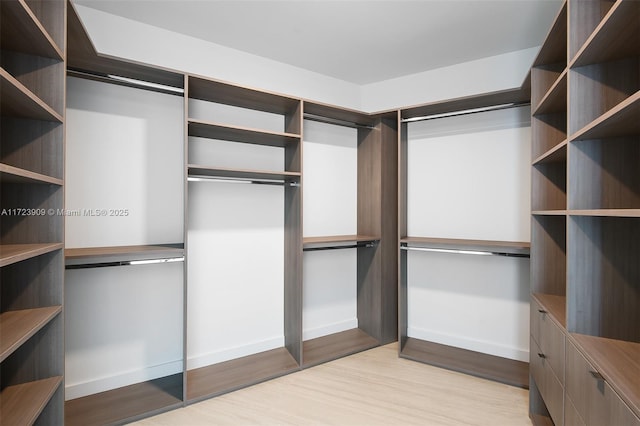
pixel 464 342
pixel 77 390
pixel 324 330
pixel 227 354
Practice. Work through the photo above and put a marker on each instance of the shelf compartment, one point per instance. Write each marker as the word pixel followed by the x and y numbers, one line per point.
pixel 554 48
pixel 618 362
pixel 16 327
pixel 548 131
pixel 17 175
pixel 511 247
pixel 99 255
pixel 17 100
pixel 333 346
pixel 244 174
pixel 313 110
pixel 22 404
pixel 621 120
pixel 603 277
pixel 337 241
pixel 549 212
pixel 23 32
pixel 543 78
pixel 557 154
pixel 12 253
pixel 206 382
pixel 210 130
pixel 549 186
pixel 125 404
pixel 555 305
pixel 548 254
pixel 584 18
pixel 604 174
pixel 511 372
pixel 555 99
pixel 598 89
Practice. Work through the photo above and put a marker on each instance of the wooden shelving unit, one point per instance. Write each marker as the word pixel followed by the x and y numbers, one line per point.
pixel 32 86
pixel 203 171
pixel 212 130
pixel 337 241
pixel 587 282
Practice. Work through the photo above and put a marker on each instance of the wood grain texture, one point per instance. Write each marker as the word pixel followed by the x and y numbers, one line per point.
pixel 374 387
pixel 511 372
pixel 74 256
pixel 554 48
pixel 328 348
pixel 19 101
pixel 337 240
pixel 231 375
pixel 338 113
pixel 555 99
pixel 16 327
pixel 549 186
pixel 465 244
pixel 22 31
pixel 571 416
pixel 124 404
pixel 547 383
pixel 621 120
pixel 293 271
pixel 548 131
pixel 12 253
pixel 584 18
pixel 543 78
pixel 557 154
pixel 553 305
pixel 606 213
pixel 204 129
pixel 22 404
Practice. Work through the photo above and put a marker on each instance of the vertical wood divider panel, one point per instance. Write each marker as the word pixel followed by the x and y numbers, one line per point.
pixel 403 319
pixel 185 232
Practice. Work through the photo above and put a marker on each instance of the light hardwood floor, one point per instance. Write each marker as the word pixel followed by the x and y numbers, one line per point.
pixel 370 388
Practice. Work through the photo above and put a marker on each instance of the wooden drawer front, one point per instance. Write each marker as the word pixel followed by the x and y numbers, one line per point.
pixel 537 312
pixel 595 401
pixel 549 337
pixel 548 384
pixel 571 416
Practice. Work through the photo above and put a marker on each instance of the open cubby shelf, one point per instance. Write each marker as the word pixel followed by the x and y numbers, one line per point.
pixel 16 327
pixel 621 120
pixel 22 404
pixel 211 130
pixel 554 305
pixel 13 174
pixel 19 101
pixel 88 255
pixel 557 154
pixel 555 99
pixel 327 348
pixel 516 247
pixel 125 404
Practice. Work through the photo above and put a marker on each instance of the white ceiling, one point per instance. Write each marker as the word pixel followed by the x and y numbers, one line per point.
pixel 353 40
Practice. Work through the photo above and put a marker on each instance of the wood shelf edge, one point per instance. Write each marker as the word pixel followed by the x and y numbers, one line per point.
pixel 27 176
pixel 550 153
pixel 605 212
pixel 519 246
pixel 214 124
pixel 630 102
pixel 75 256
pixel 555 306
pixel 13 253
pixel 31 322
pixel 53 50
pixel 30 95
pixel 23 403
pixel 551 93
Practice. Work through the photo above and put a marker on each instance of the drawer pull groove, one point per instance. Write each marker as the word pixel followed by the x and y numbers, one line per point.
pixel 596 375
pixel 542 311
pixel 543 356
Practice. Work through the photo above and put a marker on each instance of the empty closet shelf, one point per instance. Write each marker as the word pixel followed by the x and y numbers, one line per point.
pixel 197 173
pixel 463 246
pixel 211 130
pixel 338 242
pixel 91 257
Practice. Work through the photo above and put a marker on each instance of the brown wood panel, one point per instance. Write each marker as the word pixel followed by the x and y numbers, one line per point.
pixel 596 89
pixel 334 346
pixel 18 101
pixel 243 97
pixel 617 36
pixel 555 99
pixel 506 246
pixel 571 416
pixel 51 15
pixel 543 77
pixel 16 175
pixel 549 186
pixel 12 253
pixel 553 305
pixel 548 131
pixel 336 240
pixel 198 170
pixel 557 154
pixel 549 386
pixel 212 130
pixel 125 404
pixel 603 275
pixel 511 372
pixel 618 362
pixel 84 255
pixel 621 120
pixel 604 174
pixel 538 412
pixel 22 31
pixel 33 145
pixel 293 271
pixel 554 48
pixel 584 18
pixel 403 319
pixel 228 376
pixel 16 327
pixel 22 404
pixel 552 344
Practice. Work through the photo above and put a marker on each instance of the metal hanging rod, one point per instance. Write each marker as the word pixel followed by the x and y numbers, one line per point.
pixel 198 178
pixel 336 121
pixel 466 111
pixel 338 247
pixel 459 251
pixel 125 263
pixel 132 82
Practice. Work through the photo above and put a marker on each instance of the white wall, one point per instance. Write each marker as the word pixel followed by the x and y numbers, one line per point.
pixel 124 150
pixel 330 194
pixel 468 178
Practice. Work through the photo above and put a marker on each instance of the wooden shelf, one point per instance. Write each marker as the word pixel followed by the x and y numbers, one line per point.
pixel 621 120
pixel 125 404
pixel 617 361
pixel 336 240
pixel 12 253
pixel 511 372
pixel 16 327
pixel 556 306
pixel 196 171
pixel 12 174
pixel 556 154
pixel 549 212
pixel 334 346
pixel 204 129
pixel 554 49
pixel 89 255
pixel 21 31
pixel 243 97
pixel 617 36
pixel 606 212
pixel 555 100
pixel 516 247
pixel 238 373
pixel 17 100
pixel 22 404
pixel 340 114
